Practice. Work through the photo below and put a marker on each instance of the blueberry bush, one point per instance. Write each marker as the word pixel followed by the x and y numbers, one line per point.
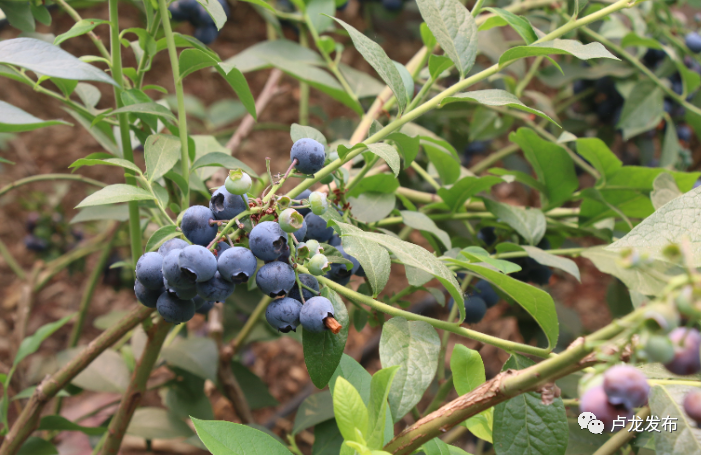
pixel 523 144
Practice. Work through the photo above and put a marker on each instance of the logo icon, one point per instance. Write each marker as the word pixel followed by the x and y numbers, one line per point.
pixel 589 421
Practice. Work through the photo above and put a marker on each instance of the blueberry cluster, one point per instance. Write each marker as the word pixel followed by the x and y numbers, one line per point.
pixel 49 234
pixel 624 388
pixel 187 277
pixel 191 11
pixel 477 300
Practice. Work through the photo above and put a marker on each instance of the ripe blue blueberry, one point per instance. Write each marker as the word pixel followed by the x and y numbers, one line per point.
pixel 197 263
pixel 182 293
pixel 149 270
pixel 310 155
pixel 267 241
pixel 692 405
pixel 174 310
pixel 317 229
pixel 626 385
pixel 684 133
pixel 335 240
pixel 217 289
pixel 302 196
pixel 475 309
pixel 300 233
pixel 686 351
pixel 283 314
pixel 170 245
pixel 339 273
pixel 487 235
pixel 392 5
pixel 314 312
pixel 226 206
pixel 486 292
pixel 693 42
pixel 275 279
pixel 181 10
pixel 147 297
pixel 205 307
pixel 173 274
pixel 596 401
pixel 307 280
pixel 237 264
pixel 540 274
pixel 195 225
pixel 206 33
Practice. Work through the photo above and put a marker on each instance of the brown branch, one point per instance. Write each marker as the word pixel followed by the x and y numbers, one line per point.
pixel 28 420
pixel 137 388
pixel 506 385
pixel 269 90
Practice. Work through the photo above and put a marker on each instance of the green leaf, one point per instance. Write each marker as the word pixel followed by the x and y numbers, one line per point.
pixel 478 254
pixel 161 152
pixel 551 260
pixel 314 409
pixel 387 153
pixel 600 156
pixel 320 13
pixel 349 410
pixel 37 446
pixel 192 60
pixel 468 369
pixel 456 196
pixel 642 110
pixel 558 47
pixel 437 64
pixel 551 163
pixel 298 132
pixel 197 355
pixel 371 207
pixel 670 147
pixel 373 258
pixel 323 351
pixel 353 372
pixel 377 58
pixel 414 347
pixel 380 183
pixel 215 10
pixel 408 146
pixel 327 439
pixel 633 39
pixel 525 426
pixel 454 29
pixel 185 396
pixel 161 235
pixel 482 425
pixel 377 408
pixel 55 422
pixel 238 82
pixel 15 120
pixel 667 401
pixel 519 23
pixel 538 303
pixel 108 162
pixel 411 256
pixel 220 159
pixel 407 81
pixel 113 194
pixel 495 97
pixel 228 438
pixel 157 423
pixel 101 132
pixel 30 344
pixel 81 27
pixel 49 60
pixel 19 15
pixel 670 224
pixel 143 109
pixel 102 212
pixel 437 447
pixel 422 222
pixel 528 222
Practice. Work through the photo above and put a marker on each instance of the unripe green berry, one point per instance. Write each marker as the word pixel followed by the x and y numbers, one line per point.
pixel 314 247
pixel 318 203
pixel 319 265
pixel 326 180
pixel 659 348
pixel 238 182
pixel 290 220
pixel 661 317
pixel 283 202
